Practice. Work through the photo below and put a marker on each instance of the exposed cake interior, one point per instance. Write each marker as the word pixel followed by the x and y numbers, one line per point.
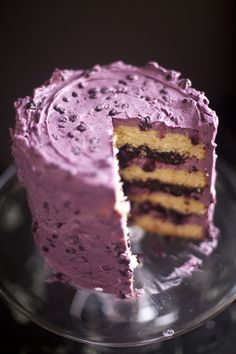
pixel 165 178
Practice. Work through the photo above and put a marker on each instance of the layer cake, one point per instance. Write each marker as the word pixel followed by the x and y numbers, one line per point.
pixel 112 144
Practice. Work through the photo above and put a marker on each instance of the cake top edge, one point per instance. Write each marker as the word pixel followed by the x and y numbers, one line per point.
pixel 152 70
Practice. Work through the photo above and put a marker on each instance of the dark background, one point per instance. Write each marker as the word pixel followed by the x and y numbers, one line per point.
pixel 194 37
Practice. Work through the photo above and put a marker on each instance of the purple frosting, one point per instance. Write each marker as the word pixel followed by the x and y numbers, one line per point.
pixel 62 144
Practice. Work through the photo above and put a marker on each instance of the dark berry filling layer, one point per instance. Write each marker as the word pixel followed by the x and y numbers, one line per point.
pixel 128 152
pixel 155 185
pixel 173 215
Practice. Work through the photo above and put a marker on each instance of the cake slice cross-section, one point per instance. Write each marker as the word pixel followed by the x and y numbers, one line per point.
pixel 112 144
pixel 167 174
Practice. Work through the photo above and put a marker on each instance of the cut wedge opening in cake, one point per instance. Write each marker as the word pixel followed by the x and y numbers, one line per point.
pixel 122 207
pixel 164 176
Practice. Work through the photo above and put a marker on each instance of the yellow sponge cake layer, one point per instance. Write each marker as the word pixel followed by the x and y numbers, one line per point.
pixel 175 142
pixel 181 204
pixel 166 228
pixel 196 179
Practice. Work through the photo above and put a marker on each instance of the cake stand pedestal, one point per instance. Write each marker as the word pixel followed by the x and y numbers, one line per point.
pixel 185 283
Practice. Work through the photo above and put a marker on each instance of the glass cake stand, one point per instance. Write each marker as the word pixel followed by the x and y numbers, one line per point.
pixel 185 283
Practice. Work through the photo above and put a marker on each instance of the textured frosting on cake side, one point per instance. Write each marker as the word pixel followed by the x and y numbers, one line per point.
pixel 63 146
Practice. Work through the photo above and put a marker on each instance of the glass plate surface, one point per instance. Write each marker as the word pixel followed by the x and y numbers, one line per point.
pixel 185 283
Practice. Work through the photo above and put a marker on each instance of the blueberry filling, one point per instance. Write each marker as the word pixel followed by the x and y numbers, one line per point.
pixel 167 213
pixel 155 185
pixel 128 152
